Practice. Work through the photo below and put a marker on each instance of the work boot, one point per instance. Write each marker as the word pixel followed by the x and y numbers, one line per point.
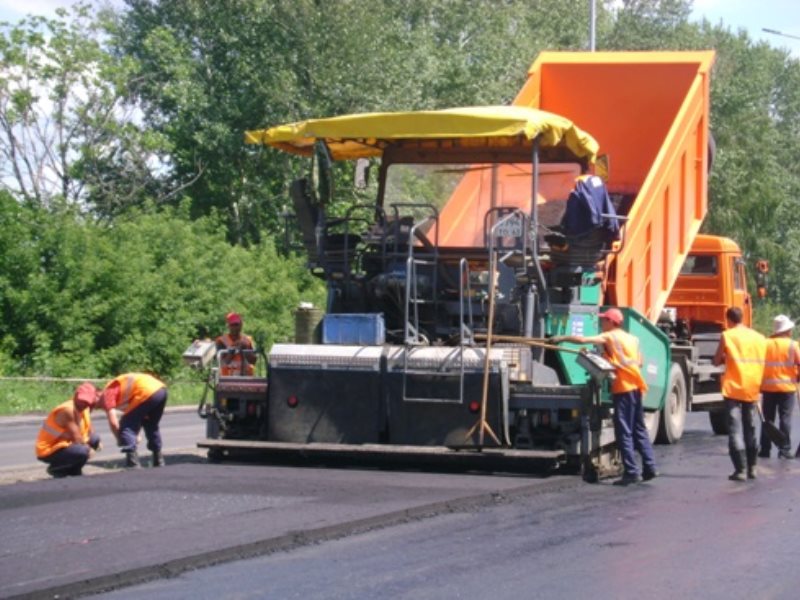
pixel 751 454
pixel 158 459
pixel 628 479
pixel 56 473
pixel 739 458
pixel 648 474
pixel 132 460
pixel 763 453
pixel 752 459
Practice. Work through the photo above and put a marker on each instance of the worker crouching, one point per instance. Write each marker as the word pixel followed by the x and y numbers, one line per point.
pixel 66 439
pixel 141 399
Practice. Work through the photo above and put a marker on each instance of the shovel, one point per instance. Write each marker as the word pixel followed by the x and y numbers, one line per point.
pixel 774 434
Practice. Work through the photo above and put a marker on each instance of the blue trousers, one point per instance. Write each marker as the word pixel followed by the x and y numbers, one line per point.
pixel 148 415
pixel 70 460
pixel 741 433
pixel 631 432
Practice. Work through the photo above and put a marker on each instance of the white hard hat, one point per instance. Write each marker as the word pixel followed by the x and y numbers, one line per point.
pixel 782 324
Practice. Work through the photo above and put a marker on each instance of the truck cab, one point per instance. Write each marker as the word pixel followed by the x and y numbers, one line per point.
pixel 711 280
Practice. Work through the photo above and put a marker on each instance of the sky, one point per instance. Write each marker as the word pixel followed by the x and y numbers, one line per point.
pixel 752 15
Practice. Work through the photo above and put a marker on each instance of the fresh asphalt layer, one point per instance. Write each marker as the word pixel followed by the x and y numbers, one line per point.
pixel 77 536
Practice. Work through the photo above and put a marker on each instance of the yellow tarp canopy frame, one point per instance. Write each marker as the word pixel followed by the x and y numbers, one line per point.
pixel 365 135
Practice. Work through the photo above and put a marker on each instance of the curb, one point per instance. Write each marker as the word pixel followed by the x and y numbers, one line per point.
pixel 297 539
pixel 35 419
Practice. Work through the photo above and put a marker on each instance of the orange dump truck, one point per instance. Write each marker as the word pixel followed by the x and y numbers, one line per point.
pixel 487 235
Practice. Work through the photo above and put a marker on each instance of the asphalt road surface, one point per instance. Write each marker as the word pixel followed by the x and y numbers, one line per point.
pixel 284 532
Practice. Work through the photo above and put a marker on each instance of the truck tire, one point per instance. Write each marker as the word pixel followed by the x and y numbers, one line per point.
pixel 719 422
pixel 673 417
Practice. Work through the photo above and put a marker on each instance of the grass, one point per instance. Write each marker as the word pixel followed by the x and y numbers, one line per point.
pixel 20 397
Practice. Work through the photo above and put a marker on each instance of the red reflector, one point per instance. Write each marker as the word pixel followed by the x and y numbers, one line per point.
pixel 292 401
pixel 251 408
pixel 474 406
pixel 545 418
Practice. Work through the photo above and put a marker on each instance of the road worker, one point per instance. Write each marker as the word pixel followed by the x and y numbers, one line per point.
pixel 742 350
pixel 779 386
pixel 141 399
pixel 66 439
pixel 239 357
pixel 621 349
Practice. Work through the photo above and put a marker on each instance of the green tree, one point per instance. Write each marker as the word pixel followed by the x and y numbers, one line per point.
pixel 82 298
pixel 755 186
pixel 212 69
pixel 66 132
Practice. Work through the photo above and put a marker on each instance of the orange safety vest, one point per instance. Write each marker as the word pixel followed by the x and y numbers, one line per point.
pixel 622 351
pixel 745 350
pixel 780 367
pixel 53 437
pixel 233 362
pixel 134 389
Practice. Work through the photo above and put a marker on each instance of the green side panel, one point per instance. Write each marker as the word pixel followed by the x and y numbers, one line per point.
pixel 572 320
pixel 589 294
pixel 655 354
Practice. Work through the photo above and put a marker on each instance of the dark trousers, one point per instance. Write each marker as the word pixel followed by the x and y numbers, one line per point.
pixel 70 460
pixel 631 432
pixel 741 433
pixel 148 415
pixel 783 404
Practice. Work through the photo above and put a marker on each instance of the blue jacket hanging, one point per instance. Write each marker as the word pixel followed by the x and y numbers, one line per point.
pixel 588 208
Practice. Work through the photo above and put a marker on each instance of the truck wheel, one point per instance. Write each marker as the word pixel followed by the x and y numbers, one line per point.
pixel 719 422
pixel 651 421
pixel 673 417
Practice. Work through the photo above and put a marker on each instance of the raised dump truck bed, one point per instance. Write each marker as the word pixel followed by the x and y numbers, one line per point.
pixel 649 113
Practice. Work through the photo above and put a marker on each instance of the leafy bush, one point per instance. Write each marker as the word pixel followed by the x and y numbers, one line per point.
pixel 87 299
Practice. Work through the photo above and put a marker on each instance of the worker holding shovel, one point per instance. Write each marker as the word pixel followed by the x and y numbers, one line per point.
pixel 742 350
pixel 779 386
pixel 622 350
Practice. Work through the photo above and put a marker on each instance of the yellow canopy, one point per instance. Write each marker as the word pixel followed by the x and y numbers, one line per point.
pixel 365 135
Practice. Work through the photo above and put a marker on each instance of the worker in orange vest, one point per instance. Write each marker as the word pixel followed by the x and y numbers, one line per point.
pixel 621 349
pixel 66 438
pixel 742 350
pixel 141 399
pixel 779 385
pixel 238 356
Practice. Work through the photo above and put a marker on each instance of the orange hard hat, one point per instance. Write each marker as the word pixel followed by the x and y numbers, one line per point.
pixel 86 393
pixel 612 314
